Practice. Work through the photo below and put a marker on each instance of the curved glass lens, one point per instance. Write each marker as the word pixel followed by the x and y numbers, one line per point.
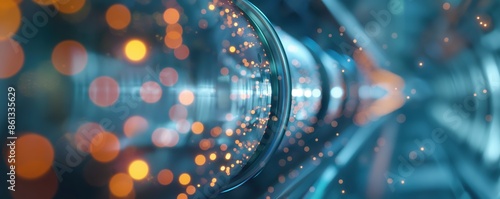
pixel 177 98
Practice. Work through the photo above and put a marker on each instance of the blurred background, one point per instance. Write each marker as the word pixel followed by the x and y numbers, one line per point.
pixel 207 99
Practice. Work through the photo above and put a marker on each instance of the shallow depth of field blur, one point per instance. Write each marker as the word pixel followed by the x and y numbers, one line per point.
pixel 176 98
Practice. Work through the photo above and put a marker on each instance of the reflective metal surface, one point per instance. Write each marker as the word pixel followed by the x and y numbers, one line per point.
pixel 430 70
pixel 253 99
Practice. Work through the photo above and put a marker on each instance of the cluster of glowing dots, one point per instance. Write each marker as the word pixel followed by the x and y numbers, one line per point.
pixel 173 36
pixel 104 91
pixel 68 57
pixel 118 17
pixel 481 22
pixel 122 184
pixel 166 177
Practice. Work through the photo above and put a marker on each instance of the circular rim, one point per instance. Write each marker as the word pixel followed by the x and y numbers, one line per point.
pixel 281 96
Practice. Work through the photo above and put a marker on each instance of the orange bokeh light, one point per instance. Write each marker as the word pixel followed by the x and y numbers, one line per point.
pixel 69 57
pixel 205 144
pixel 105 148
pixel 12 56
pixel 121 185
pixel 165 177
pixel 10 18
pixel 182 196
pixel 69 6
pixel 186 97
pixel 197 127
pixel 104 91
pixel 184 179
pixel 216 131
pixel 34 156
pixel 135 125
pixel 175 28
pixel 171 16
pixel 173 40
pixel 151 92
pixel 118 16
pixel 190 190
pixel 200 160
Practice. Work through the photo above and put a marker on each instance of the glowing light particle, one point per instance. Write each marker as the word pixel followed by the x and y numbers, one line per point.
pixel 138 169
pixel 184 179
pixel 121 185
pixel 10 19
pixel 135 50
pixel 197 127
pixel 446 6
pixel 34 156
pixel 105 147
pixel 165 177
pixel 182 196
pixel 186 97
pixel 173 39
pixel 213 156
pixel 118 16
pixel 69 57
pixel 190 190
pixel 200 160
pixel 69 6
pixel 171 16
